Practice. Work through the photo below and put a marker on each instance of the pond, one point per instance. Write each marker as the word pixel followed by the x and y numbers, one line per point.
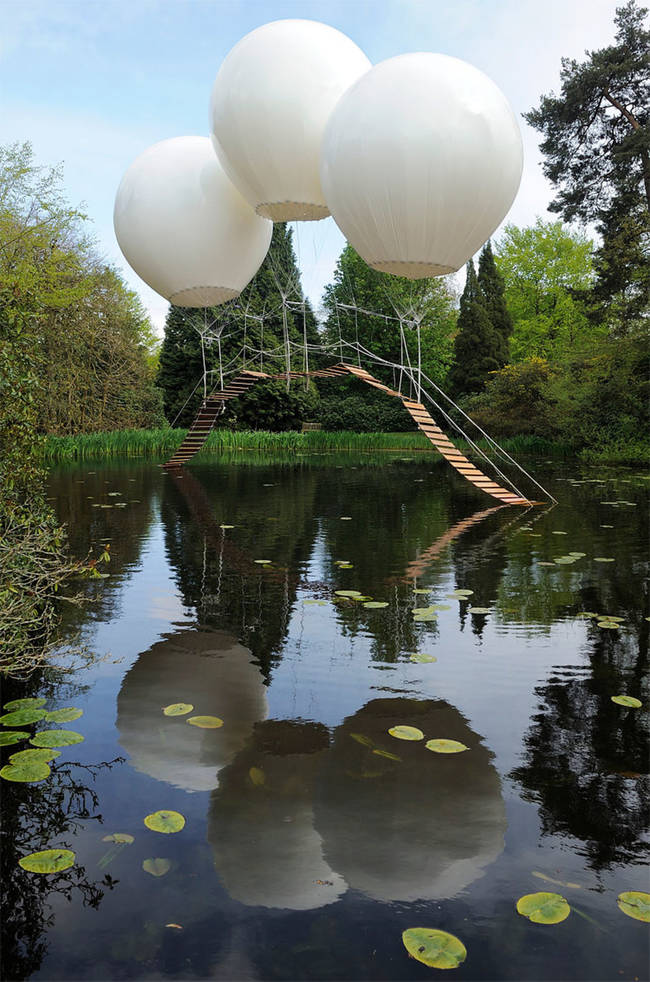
pixel 312 836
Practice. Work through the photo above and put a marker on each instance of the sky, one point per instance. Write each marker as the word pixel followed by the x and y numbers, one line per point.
pixel 92 83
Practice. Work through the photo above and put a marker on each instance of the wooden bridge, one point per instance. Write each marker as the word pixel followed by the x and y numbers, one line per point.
pixel 213 406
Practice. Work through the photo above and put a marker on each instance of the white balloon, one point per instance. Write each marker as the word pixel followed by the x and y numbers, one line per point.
pixel 271 99
pixel 183 226
pixel 421 160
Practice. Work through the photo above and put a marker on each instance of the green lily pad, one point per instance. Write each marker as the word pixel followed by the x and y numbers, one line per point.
pixel 361 599
pixel 26 773
pixel 603 559
pixel 23 717
pixel 587 613
pixel 346 518
pixel 178 709
pixel 441 607
pixel 375 604
pixel 262 562
pixel 13 736
pixel 315 603
pixel 206 722
pixel 157 867
pixel 459 594
pixel 608 625
pixel 543 908
pixel 423 610
pixel 578 555
pixel 32 756
pixel 33 703
pixel 226 526
pixel 423 618
pixel 629 701
pixel 403 732
pixel 165 821
pixel 346 566
pixel 122 838
pixel 348 593
pixel 66 715
pixel 479 610
pixel 48 861
pixel 635 904
pixel 421 658
pixel 56 738
pixel 609 617
pixel 423 592
pixel 442 746
pixel 438 949
pixel 558 533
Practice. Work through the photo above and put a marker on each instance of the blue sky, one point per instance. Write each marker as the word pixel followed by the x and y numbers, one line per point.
pixel 92 83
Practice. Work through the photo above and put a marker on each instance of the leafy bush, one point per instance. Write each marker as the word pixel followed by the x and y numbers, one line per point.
pixel 517 399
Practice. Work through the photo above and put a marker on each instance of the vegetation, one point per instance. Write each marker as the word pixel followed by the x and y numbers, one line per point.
pixel 479 348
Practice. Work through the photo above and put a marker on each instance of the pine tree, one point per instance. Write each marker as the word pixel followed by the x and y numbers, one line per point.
pixel 492 290
pixel 476 347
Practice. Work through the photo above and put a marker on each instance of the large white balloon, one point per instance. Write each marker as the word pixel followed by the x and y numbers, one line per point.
pixel 270 103
pixel 421 161
pixel 183 226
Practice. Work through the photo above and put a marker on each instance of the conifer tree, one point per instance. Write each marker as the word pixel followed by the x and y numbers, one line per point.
pixel 476 346
pixel 492 290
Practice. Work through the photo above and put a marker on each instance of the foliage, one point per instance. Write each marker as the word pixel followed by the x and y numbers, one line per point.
pixel 356 412
pixel 596 141
pixel 545 267
pixel 478 348
pixel 492 289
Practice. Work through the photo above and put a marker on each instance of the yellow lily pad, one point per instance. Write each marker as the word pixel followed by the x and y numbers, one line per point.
pixel 443 746
pixel 635 904
pixel 437 949
pixel 48 861
pixel 403 732
pixel 206 722
pixel 629 701
pixel 157 867
pixel 543 908
pixel 178 709
pixel 165 821
pixel 56 738
pixel 421 658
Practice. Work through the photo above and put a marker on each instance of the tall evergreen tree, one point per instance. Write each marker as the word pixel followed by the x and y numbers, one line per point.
pixel 476 347
pixel 493 297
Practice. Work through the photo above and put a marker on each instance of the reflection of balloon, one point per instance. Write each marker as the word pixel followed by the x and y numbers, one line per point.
pixel 260 824
pixel 423 827
pixel 421 161
pixel 271 100
pixel 213 672
pixel 184 228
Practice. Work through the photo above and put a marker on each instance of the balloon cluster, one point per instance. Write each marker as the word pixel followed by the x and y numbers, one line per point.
pixel 418 159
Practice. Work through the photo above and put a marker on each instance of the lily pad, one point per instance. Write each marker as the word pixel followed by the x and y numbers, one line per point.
pixel 578 555
pixel 262 562
pixel 608 625
pixel 603 559
pixel 256 774
pixel 609 617
pixel 375 604
pixel 56 738
pixel 479 610
pixel 122 838
pixel 346 518
pixel 33 703
pixel 558 533
pixel 23 717
pixel 348 593
pixel 32 756
pixel 441 607
pixel 423 610
pixel 206 722
pixel 13 736
pixel 543 908
pixel 635 904
pixel 429 616
pixel 165 821
pixel 421 658
pixel 346 566
pixel 629 701
pixel 423 592
pixel 226 526
pixel 442 746
pixel 438 949
pixel 403 732
pixel 48 861
pixel 66 715
pixel 178 709
pixel 157 867
pixel 26 773
pixel 385 753
pixel 361 738
pixel 315 603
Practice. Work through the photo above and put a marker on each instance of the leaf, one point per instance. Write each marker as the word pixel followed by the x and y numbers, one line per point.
pixel 603 559
pixel 374 604
pixel 206 722
pixel 262 562
pixel 123 838
pixel 23 717
pixel 443 746
pixel 33 703
pixel 423 610
pixel 629 701
pixel 157 867
pixel 348 593
pixel 31 756
pixel 346 518
pixel 226 526
pixel 56 738
pixel 438 949
pixel 361 738
pixel 463 593
pixel 557 883
pixel 178 709
pixel 66 715
pixel 427 590
pixel 421 658
pixel 165 821
pixel 479 610
pixel 13 736
pixel 635 904
pixel 26 773
pixel 403 732
pixel 257 777
pixel 385 753
pixel 48 861
pixel 543 908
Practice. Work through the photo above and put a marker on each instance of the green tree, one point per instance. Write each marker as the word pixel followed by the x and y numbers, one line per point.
pixel 597 148
pixel 546 267
pixel 477 348
pixel 492 289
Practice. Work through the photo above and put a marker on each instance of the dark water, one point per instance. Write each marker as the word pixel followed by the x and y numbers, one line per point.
pixel 305 853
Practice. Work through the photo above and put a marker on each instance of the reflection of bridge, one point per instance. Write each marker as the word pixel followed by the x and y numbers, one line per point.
pixel 213 406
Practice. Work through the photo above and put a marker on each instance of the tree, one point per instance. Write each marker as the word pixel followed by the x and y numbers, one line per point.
pixel 477 348
pixel 597 148
pixel 492 289
pixel 546 267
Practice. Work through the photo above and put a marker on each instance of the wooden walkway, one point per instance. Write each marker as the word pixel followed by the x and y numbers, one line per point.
pixel 213 405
